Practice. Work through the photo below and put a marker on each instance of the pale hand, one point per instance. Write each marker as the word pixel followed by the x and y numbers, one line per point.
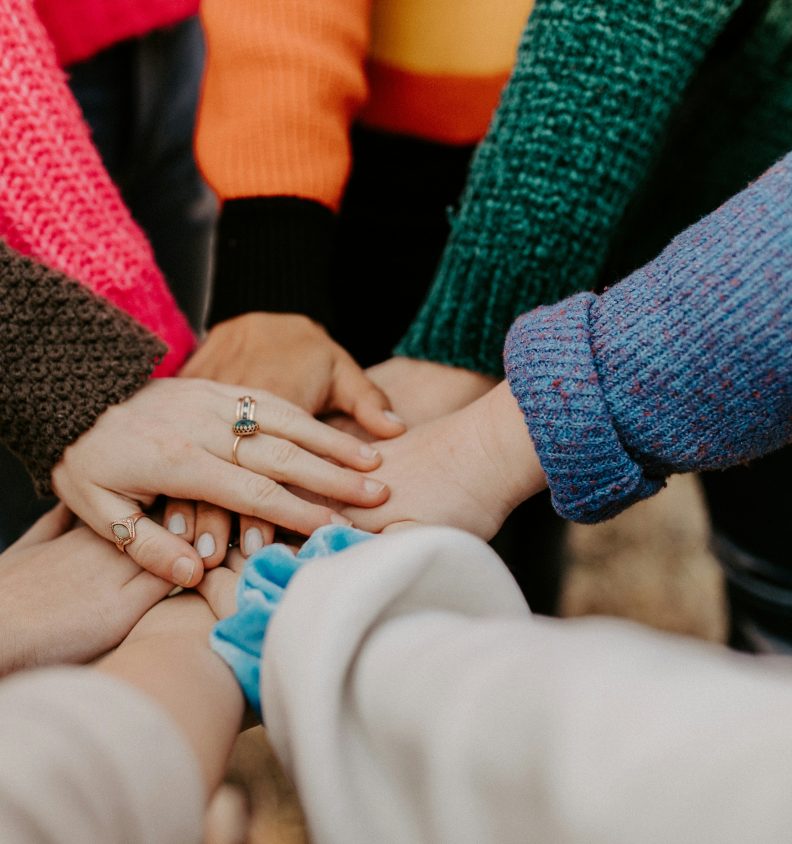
pixel 294 358
pixel 422 390
pixel 174 438
pixel 68 596
pixel 469 469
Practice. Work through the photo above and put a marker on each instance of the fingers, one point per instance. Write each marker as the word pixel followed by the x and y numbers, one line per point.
pixel 154 548
pixel 50 526
pixel 254 534
pixel 285 462
pixel 359 397
pixel 179 518
pixel 394 527
pixel 218 588
pixel 212 531
pixel 245 492
pixel 280 418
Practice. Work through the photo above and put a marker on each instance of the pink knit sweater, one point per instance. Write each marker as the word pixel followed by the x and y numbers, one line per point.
pixel 81 28
pixel 57 202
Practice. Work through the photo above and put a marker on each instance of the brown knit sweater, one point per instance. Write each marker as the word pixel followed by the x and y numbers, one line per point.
pixel 65 356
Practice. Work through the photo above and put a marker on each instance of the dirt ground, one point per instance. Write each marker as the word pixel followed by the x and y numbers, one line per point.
pixel 650 564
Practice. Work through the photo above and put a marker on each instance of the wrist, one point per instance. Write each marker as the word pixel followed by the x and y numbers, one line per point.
pixel 507 440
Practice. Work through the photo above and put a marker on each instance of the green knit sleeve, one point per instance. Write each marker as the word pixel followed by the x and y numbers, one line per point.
pixel 579 123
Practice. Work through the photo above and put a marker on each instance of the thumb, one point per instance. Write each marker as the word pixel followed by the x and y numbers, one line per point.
pixel 358 397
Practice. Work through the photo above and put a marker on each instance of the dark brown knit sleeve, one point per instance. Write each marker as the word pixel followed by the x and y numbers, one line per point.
pixel 65 356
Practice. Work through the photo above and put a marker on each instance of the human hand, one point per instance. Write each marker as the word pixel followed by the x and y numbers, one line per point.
pixel 293 357
pixel 469 469
pixel 174 438
pixel 68 596
pixel 422 390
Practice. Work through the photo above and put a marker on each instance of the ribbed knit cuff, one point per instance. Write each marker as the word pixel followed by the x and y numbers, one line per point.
pixel 273 253
pixel 552 374
pixel 66 355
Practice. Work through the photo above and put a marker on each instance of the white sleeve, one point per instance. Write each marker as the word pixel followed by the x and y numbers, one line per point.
pixel 86 758
pixel 413 698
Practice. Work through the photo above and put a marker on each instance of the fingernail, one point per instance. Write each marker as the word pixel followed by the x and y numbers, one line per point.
pixel 183 570
pixel 393 417
pixel 369 453
pixel 373 487
pixel 253 541
pixel 205 545
pixel 177 524
pixel 338 519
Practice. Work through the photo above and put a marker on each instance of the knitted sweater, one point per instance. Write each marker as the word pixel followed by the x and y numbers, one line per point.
pixel 81 28
pixel 65 356
pixel 686 365
pixel 57 202
pixel 623 122
pixel 286 79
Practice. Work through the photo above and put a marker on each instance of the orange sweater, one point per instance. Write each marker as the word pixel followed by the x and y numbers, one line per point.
pixel 285 79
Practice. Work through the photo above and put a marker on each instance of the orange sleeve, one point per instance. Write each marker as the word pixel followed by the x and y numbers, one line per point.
pixel 283 82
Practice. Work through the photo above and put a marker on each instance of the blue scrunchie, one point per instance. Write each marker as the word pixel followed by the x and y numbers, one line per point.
pixel 239 639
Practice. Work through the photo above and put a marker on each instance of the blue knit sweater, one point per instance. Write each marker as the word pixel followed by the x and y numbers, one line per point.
pixel 685 365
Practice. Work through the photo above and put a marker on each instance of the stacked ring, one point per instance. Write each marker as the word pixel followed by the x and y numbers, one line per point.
pixel 245 425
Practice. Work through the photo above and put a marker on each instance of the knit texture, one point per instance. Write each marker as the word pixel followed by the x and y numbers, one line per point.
pixel 686 365
pixel 66 355
pixel 81 28
pixel 57 202
pixel 273 253
pixel 578 128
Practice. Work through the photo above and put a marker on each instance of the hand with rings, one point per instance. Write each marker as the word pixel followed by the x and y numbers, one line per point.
pixel 181 438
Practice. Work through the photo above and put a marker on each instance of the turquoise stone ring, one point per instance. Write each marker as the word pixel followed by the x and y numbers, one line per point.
pixel 245 427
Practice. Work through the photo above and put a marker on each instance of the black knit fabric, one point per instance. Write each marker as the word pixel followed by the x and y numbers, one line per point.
pixel 273 253
pixel 65 356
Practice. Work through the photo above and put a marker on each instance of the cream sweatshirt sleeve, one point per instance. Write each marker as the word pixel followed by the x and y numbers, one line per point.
pixel 87 759
pixel 414 698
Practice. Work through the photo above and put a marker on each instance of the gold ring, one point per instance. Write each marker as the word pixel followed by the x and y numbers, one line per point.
pixel 245 425
pixel 124 531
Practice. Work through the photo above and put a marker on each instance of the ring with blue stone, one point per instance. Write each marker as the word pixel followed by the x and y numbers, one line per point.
pixel 245 425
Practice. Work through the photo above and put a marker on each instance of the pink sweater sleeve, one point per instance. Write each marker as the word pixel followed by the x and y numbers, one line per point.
pixel 57 202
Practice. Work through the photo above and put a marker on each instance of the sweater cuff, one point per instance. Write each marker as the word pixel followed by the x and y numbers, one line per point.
pixel 552 373
pixel 66 356
pixel 273 253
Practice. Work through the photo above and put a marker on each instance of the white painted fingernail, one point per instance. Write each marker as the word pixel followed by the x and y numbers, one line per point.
pixel 253 541
pixel 369 453
pixel 338 519
pixel 177 524
pixel 183 570
pixel 205 545
pixel 393 417
pixel 373 487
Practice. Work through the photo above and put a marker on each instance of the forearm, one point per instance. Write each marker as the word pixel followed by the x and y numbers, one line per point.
pixel 683 366
pixel 175 668
pixel 66 355
pixel 597 83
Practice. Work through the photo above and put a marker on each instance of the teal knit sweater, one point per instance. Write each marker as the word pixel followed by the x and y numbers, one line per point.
pixel 623 122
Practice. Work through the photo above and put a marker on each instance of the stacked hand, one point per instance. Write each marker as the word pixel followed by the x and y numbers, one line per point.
pixel 468 469
pixel 174 438
pixel 68 596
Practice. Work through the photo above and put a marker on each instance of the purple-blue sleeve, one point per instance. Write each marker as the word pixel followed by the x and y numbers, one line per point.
pixel 685 365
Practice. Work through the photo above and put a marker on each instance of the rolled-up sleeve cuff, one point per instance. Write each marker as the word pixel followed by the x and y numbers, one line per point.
pixel 552 373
